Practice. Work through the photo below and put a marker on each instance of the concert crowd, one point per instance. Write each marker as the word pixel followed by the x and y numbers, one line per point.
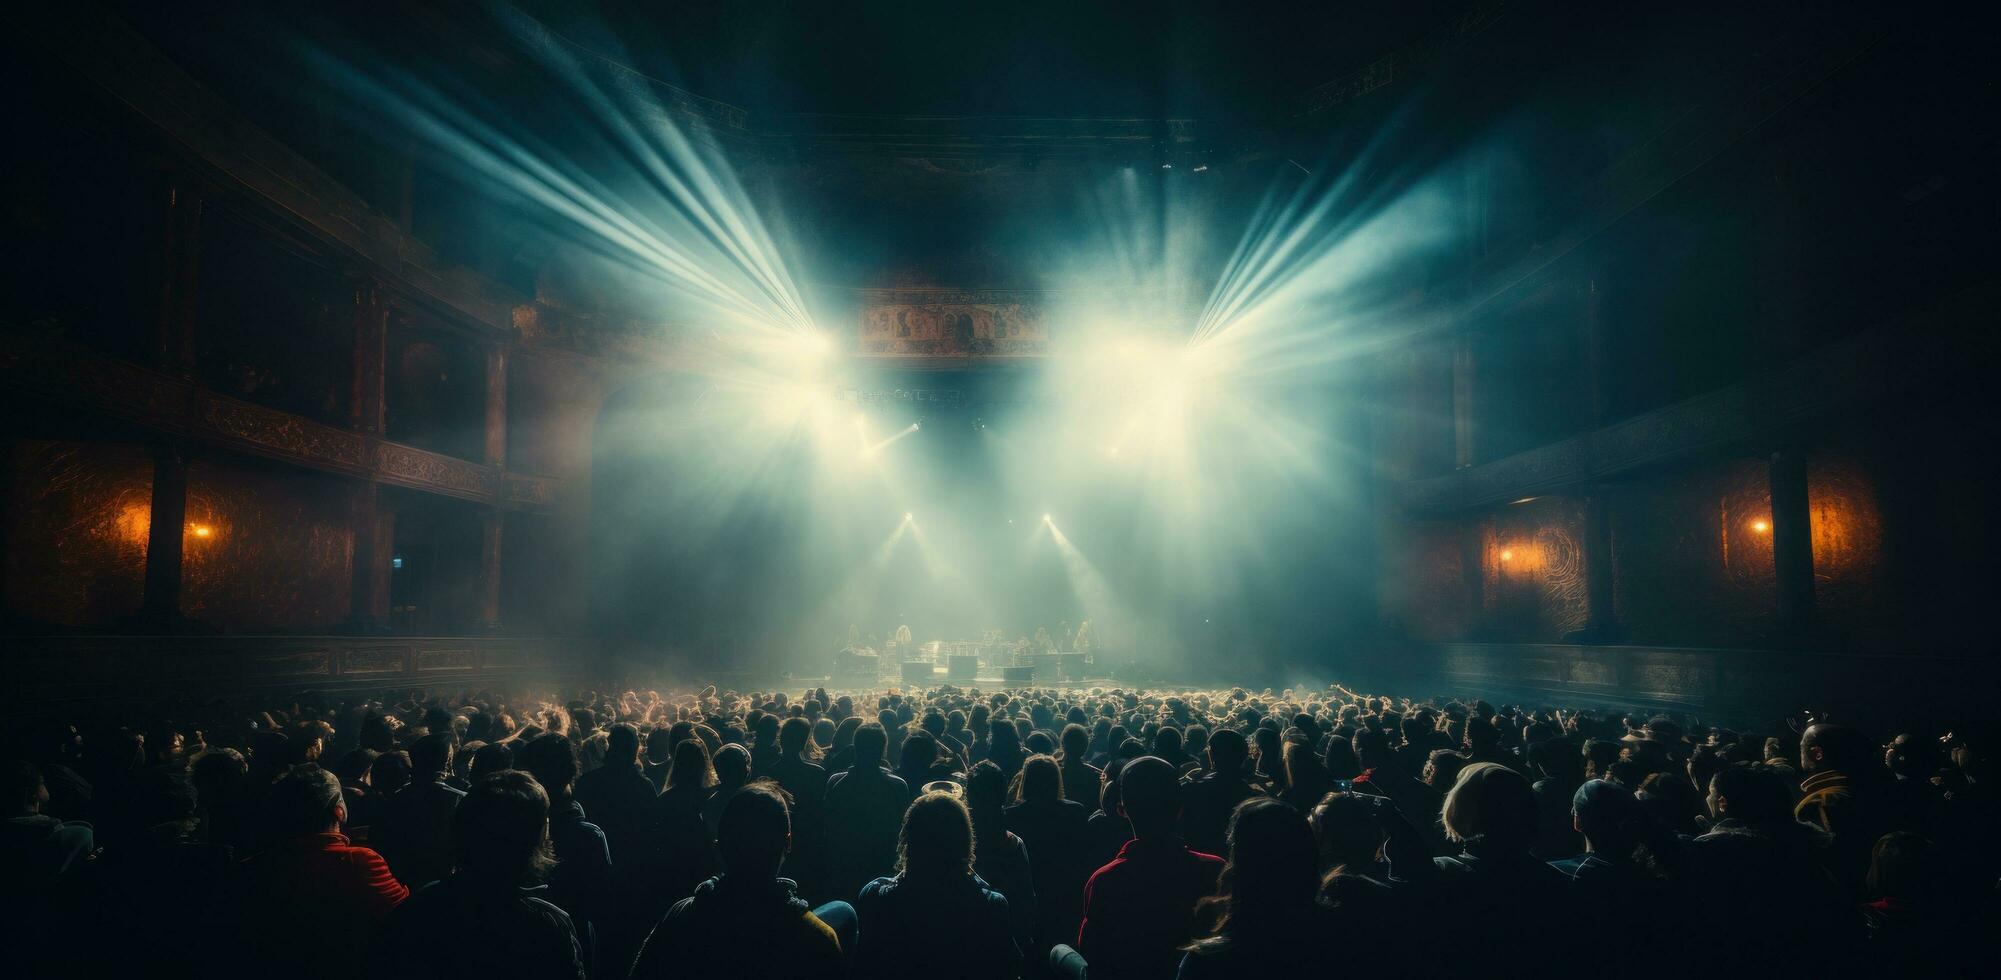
pixel 955 832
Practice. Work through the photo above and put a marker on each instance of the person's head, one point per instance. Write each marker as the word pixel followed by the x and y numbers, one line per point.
pixel 1902 865
pixel 755 832
pixel 1749 793
pixel 306 800
pixel 1833 748
pixel 795 738
pixel 1303 768
pixel 1227 751
pixel 1346 829
pixel 1150 796
pixel 1041 780
pixel 691 766
pixel 490 759
pixel 1167 742
pixel 920 750
pixel 1599 755
pixel 986 796
pixel 390 772
pixel 1272 863
pixel 1076 742
pixel 1911 756
pixel 621 746
pixel 1442 768
pixel 1003 739
pixel 552 760
pixel 1340 760
pixel 438 721
pixel 1372 749
pixel 1606 814
pixel 732 765
pixel 660 744
pixel 937 838
pixel 1490 804
pixel 870 743
pixel 431 756
pixel 500 830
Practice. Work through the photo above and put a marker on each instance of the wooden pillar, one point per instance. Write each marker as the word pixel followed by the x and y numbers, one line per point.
pixel 371 342
pixel 161 607
pixel 1463 376
pixel 489 569
pixel 373 526
pixel 1792 544
pixel 180 276
pixel 496 405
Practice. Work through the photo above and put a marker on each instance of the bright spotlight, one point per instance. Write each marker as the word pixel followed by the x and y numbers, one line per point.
pixel 813 343
pixel 907 516
pixel 1045 518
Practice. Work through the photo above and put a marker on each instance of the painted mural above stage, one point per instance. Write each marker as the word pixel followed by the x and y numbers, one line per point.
pixel 952 323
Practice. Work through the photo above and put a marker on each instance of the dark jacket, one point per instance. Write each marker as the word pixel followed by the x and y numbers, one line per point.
pixel 1206 804
pixel 919 928
pixel 619 799
pixel 415 834
pixel 1054 833
pixel 728 923
pixel 864 814
pixel 463 927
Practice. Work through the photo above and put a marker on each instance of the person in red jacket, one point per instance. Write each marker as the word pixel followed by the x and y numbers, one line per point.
pixel 311 884
pixel 1139 910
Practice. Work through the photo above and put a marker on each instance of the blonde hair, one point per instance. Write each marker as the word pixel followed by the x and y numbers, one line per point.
pixel 1490 801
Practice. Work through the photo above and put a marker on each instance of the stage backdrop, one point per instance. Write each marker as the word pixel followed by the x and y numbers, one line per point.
pixel 952 323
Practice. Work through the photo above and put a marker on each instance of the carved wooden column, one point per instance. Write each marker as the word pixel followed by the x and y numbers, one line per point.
pixel 496 405
pixel 1792 544
pixel 180 276
pixel 373 526
pixel 1463 376
pixel 161 607
pixel 489 569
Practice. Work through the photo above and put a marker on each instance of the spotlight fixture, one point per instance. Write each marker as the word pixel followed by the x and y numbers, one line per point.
pixel 1507 554
pixel 1761 526
pixel 1167 166
pixel 907 516
pixel 1045 518
pixel 1201 168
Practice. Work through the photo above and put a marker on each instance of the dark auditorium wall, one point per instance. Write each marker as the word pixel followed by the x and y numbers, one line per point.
pixel 77 518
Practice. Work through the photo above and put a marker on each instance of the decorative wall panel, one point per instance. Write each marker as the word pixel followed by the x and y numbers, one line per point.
pixel 951 323
pixel 1693 556
pixel 78 515
pixel 1533 570
pixel 267 548
pixel 1854 603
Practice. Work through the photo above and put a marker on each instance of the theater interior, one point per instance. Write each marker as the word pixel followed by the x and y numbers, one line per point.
pixel 1624 357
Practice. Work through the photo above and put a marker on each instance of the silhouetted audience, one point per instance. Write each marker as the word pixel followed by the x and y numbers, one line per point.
pixel 1363 832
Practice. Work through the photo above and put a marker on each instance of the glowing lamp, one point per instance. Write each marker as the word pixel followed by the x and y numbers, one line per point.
pixel 1761 526
pixel 1507 554
pixel 202 531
